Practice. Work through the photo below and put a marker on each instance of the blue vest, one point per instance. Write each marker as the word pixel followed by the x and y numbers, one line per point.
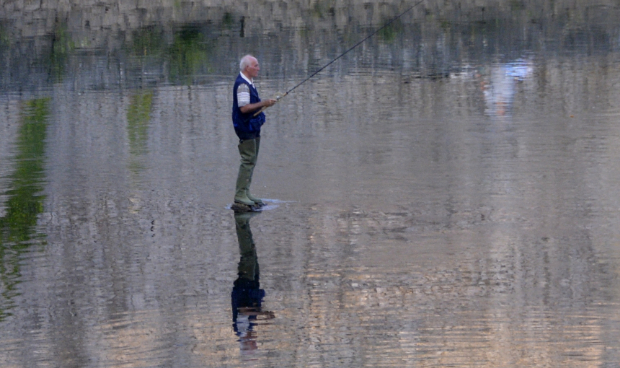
pixel 247 126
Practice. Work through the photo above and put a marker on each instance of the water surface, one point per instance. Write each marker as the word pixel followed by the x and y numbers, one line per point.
pixel 443 195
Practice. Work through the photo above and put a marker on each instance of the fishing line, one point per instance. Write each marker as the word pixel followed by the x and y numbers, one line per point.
pixel 278 98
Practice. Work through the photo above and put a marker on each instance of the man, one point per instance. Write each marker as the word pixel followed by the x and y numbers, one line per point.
pixel 246 103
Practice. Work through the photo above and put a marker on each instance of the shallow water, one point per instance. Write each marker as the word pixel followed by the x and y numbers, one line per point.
pixel 443 195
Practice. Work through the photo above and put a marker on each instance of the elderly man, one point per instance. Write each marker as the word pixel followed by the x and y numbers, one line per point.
pixel 246 103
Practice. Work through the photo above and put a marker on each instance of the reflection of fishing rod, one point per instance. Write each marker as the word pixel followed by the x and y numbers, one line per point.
pixel 278 98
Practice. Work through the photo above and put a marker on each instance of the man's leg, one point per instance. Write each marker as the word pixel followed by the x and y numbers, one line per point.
pixel 247 151
pixel 256 200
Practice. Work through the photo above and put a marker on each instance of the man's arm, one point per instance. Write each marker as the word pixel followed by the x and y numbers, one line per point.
pixel 255 106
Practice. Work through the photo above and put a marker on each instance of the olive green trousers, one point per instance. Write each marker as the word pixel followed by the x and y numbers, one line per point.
pixel 248 150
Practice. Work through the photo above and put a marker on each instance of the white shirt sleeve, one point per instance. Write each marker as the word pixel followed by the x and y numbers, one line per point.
pixel 243 95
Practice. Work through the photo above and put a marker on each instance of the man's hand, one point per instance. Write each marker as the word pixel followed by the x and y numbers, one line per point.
pixel 255 106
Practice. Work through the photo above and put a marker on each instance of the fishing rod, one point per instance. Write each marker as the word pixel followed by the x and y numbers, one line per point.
pixel 278 98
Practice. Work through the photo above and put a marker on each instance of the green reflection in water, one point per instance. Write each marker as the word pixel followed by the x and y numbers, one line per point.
pixel 322 9
pixel 390 33
pixel 228 21
pixel 25 203
pixel 62 48
pixel 4 37
pixel 138 117
pixel 148 41
pixel 189 54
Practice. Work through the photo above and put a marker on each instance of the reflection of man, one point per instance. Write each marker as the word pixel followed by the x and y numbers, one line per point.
pixel 500 88
pixel 247 296
pixel 246 103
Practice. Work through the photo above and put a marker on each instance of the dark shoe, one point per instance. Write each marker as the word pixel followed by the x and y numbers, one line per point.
pixel 242 207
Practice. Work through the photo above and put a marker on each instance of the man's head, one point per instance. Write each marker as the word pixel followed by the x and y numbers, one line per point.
pixel 249 66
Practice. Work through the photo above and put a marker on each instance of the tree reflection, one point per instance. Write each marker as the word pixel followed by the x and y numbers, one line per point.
pixel 25 203
pixel 247 296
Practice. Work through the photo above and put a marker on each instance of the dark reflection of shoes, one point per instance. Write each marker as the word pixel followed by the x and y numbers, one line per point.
pixel 245 216
pixel 242 207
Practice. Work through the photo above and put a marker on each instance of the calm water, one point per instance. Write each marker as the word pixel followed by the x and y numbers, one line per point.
pixel 445 195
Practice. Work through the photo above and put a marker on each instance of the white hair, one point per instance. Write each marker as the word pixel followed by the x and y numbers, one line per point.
pixel 245 61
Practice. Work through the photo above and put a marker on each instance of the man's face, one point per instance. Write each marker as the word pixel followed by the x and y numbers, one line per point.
pixel 251 71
